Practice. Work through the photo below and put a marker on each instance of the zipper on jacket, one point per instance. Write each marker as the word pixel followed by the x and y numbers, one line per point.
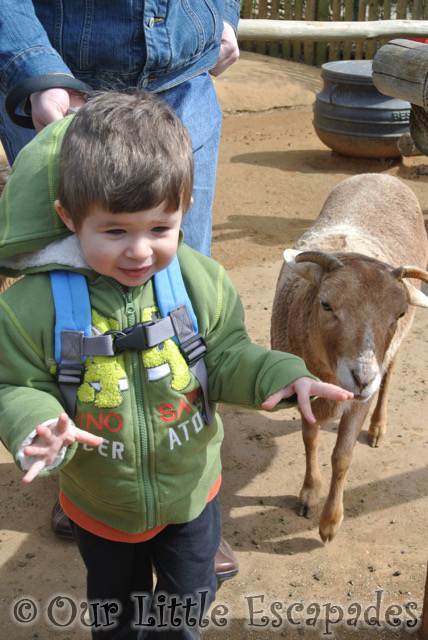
pixel 138 391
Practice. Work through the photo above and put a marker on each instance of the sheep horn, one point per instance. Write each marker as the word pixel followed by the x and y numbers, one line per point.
pixel 410 272
pixel 325 260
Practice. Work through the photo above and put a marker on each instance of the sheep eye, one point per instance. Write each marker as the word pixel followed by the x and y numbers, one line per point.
pixel 326 306
pixel 403 313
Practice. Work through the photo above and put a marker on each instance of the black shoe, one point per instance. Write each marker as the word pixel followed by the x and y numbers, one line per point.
pixel 60 524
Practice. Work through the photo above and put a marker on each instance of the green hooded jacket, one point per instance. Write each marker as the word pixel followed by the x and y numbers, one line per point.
pixel 158 460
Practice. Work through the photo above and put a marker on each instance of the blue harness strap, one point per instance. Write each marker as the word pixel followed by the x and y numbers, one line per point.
pixel 171 292
pixel 173 302
pixel 72 306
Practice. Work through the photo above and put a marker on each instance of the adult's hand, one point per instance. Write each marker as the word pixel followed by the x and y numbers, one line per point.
pixel 53 104
pixel 229 50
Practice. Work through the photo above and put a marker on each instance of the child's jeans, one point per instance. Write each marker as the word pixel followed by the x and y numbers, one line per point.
pixel 182 557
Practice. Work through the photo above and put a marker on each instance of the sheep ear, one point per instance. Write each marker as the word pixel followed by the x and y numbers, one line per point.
pixel 415 296
pixel 308 270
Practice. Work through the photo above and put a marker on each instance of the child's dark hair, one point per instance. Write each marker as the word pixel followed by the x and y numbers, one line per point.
pixel 125 152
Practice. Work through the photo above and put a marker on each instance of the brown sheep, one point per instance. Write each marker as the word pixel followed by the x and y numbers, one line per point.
pixel 343 304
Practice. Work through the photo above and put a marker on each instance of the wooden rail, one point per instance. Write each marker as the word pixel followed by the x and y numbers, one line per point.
pixel 312 44
pixel 326 31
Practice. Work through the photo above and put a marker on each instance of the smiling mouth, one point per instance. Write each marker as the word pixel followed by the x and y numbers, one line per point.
pixel 135 273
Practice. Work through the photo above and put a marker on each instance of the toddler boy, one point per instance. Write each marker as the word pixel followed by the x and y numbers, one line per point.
pixel 139 456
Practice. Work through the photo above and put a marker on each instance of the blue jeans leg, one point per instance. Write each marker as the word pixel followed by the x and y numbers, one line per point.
pixel 12 137
pixel 196 104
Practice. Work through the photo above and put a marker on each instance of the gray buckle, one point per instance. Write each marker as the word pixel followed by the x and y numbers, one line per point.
pixel 194 349
pixel 70 373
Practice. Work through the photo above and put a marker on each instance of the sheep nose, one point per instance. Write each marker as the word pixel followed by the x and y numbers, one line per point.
pixel 360 380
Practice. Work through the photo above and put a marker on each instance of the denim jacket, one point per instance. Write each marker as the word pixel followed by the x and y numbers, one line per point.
pixel 155 44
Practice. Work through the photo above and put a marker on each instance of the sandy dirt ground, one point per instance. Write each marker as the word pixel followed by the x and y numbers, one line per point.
pixel 274 174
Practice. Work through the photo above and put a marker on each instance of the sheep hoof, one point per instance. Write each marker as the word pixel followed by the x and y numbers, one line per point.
pixel 309 497
pixel 328 533
pixel 330 522
pixel 304 510
pixel 375 437
pixel 373 441
pixel 326 537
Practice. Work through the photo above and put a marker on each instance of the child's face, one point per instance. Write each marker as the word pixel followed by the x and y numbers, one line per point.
pixel 129 247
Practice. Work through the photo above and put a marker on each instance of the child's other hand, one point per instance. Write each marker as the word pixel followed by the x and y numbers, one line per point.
pixel 49 441
pixel 304 388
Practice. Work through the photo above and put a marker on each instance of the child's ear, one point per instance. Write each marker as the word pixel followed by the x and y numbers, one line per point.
pixel 63 214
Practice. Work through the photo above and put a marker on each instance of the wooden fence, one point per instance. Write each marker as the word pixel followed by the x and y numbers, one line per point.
pixel 316 53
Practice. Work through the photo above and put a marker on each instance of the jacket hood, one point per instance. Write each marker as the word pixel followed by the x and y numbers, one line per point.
pixel 28 219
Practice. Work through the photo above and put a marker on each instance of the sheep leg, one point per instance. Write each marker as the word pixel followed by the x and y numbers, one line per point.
pixel 349 428
pixel 377 427
pixel 310 492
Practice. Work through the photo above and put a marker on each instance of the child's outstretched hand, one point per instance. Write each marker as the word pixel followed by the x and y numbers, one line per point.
pixel 49 441
pixel 304 388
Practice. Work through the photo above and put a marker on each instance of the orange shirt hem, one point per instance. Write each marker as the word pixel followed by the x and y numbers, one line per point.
pixel 102 530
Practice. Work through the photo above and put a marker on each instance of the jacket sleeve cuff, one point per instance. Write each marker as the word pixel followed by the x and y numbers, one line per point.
pixel 278 377
pixel 231 13
pixel 30 62
pixel 24 89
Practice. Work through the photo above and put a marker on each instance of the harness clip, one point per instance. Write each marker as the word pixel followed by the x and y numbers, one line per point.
pixel 194 349
pixel 130 338
pixel 70 373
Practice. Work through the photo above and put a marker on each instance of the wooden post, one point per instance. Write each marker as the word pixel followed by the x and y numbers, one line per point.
pixel 308 45
pixel 274 47
pixel 286 45
pixel 372 45
pixel 386 16
pixel 401 9
pixel 261 45
pixel 347 45
pixel 361 18
pixel 423 631
pixel 333 50
pixel 298 46
pixel 417 10
pixel 321 47
pixel 247 12
pixel 400 70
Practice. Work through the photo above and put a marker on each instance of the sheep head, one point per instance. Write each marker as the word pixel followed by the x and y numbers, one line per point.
pixel 358 305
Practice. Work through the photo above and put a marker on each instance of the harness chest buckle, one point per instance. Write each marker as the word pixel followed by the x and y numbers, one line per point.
pixel 130 338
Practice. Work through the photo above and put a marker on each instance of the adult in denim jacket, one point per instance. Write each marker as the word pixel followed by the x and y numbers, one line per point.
pixel 167 46
pixel 52 52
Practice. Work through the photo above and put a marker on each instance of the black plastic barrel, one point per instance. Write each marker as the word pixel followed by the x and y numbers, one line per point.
pixel 352 117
